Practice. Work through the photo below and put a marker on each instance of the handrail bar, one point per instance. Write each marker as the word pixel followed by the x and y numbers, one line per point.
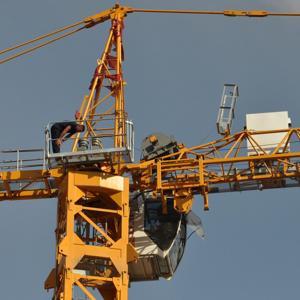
pixel 21 150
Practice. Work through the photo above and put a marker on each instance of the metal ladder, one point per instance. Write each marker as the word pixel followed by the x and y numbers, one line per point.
pixel 226 110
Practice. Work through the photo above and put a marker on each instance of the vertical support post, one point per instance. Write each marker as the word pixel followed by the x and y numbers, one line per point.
pixel 159 183
pixel 201 172
pixel 18 159
pixel 202 183
pixel 205 198
pixel 120 128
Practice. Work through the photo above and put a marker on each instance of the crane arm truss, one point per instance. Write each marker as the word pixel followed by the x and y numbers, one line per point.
pixel 29 185
pixel 103 109
pixel 235 163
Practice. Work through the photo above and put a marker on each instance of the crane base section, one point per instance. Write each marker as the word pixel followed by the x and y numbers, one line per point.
pixel 93 249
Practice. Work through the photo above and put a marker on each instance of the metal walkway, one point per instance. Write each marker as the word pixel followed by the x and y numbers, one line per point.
pixel 22 159
pixel 24 175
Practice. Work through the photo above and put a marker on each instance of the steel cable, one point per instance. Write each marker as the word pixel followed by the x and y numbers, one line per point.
pixel 40 45
pixel 232 13
pixel 41 37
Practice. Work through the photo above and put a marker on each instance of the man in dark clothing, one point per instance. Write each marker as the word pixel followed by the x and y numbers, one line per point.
pixel 59 131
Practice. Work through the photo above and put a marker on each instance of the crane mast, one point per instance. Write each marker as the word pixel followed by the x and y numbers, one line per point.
pixel 108 70
pixel 93 244
pixel 93 208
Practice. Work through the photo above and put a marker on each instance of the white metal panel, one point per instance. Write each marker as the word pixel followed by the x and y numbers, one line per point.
pixel 266 121
pixel 142 243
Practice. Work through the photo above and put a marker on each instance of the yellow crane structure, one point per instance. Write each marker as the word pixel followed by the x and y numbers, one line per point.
pixel 93 187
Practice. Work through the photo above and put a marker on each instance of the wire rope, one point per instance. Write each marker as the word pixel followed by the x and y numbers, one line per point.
pixel 38 38
pixel 40 46
pixel 91 22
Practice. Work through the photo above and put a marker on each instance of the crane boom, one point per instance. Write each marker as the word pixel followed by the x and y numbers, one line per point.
pixel 121 12
pixel 196 170
pixel 222 166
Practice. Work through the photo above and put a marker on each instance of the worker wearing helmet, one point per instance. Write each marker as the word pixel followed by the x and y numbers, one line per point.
pixel 62 131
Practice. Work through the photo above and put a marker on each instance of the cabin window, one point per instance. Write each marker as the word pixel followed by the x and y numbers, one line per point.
pixel 161 228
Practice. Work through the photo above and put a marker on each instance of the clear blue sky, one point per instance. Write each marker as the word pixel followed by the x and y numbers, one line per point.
pixel 175 69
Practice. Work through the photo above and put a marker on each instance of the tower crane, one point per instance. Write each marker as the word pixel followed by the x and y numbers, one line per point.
pixel 120 221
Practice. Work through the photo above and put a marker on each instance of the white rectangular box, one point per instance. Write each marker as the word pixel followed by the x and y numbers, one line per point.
pixel 267 121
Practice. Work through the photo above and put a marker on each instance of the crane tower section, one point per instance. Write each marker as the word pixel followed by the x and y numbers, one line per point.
pixel 109 136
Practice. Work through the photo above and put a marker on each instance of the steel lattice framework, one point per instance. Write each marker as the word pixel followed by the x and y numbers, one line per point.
pixel 93 202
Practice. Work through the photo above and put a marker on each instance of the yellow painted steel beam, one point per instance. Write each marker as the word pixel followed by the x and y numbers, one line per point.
pixel 108 246
pixel 19 185
pixel 190 169
pixel 198 169
pixel 120 12
pixel 31 175
pixel 29 195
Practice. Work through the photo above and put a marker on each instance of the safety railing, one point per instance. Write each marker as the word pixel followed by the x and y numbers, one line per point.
pixel 96 146
pixel 22 159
